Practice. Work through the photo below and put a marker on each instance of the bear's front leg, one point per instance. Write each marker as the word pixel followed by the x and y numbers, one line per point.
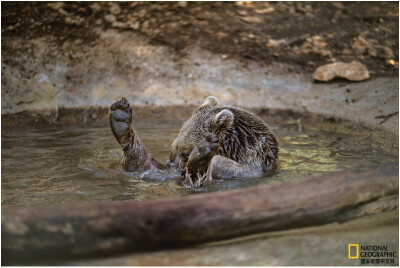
pixel 135 157
pixel 199 160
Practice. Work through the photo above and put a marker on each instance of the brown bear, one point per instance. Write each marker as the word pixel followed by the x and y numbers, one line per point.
pixel 216 142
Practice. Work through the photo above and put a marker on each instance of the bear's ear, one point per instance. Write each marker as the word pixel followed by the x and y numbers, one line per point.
pixel 210 101
pixel 222 121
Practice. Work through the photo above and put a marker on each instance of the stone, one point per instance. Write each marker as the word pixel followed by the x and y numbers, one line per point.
pixel 82 10
pixel 56 5
pixel 63 12
pixel 252 19
pixel 120 25
pixel 292 10
pixel 95 7
pixel 337 5
pixel 362 46
pixel 346 51
pixel 115 9
pixel 392 63
pixel 308 8
pixel 353 71
pixel 384 52
pixel 75 20
pixel 275 43
pixel 337 15
pixel 311 63
pixel 182 3
pixel 146 25
pixel 322 52
pixel 266 10
pixel 135 25
pixel 242 12
pixel 364 34
pixel 303 8
pixel 110 18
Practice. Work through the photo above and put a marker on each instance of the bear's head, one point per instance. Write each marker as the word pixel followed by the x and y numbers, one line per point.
pixel 205 119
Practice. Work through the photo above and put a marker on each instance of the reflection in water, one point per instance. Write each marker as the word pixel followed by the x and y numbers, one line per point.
pixel 65 164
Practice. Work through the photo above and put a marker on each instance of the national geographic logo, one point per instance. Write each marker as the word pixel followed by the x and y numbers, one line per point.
pixel 353 251
pixel 371 254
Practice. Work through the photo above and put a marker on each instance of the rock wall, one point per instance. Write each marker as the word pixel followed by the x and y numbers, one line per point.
pixel 39 76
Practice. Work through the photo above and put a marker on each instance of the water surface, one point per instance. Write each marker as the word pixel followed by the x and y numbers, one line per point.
pixel 81 163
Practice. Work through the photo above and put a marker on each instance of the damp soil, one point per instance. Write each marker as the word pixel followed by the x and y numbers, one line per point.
pixel 301 34
pixel 47 165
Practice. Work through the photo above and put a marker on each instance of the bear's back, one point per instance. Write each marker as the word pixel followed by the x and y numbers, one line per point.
pixel 248 140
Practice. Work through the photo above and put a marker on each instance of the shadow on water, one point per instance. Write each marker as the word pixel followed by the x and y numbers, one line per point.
pixel 81 163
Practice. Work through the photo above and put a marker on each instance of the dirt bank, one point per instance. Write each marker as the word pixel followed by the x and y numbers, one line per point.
pixel 305 34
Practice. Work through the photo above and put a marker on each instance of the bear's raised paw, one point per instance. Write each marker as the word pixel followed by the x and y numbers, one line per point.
pixel 120 118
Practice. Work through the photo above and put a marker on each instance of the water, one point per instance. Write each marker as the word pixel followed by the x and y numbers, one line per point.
pixel 81 163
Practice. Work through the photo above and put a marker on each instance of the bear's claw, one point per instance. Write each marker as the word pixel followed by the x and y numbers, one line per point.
pixel 120 104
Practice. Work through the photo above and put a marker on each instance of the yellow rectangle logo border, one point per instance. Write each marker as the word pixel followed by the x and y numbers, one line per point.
pixel 357 247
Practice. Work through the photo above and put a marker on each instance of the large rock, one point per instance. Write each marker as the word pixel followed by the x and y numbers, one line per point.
pixel 353 71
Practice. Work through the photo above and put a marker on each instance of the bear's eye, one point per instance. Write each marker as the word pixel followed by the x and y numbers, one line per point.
pixel 185 156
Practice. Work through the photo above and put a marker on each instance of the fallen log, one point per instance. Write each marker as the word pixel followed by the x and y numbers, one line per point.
pixel 38 233
pixel 371 208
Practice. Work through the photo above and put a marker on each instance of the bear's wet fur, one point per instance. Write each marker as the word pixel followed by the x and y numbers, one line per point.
pixel 216 142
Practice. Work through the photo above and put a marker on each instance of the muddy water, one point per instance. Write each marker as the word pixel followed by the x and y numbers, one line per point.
pixel 81 163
